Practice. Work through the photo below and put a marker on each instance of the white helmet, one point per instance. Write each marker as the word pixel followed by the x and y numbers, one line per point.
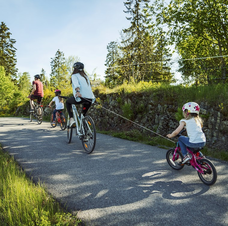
pixel 192 107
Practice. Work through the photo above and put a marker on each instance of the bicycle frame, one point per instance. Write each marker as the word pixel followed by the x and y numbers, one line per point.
pixel 204 167
pixel 78 120
pixel 192 162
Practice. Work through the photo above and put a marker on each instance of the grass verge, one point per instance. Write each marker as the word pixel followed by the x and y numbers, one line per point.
pixel 24 203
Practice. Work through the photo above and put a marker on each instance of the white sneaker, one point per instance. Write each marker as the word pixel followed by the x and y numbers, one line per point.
pixel 71 121
pixel 186 158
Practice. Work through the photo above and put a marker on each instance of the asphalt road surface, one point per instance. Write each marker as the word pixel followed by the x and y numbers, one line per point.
pixel 121 183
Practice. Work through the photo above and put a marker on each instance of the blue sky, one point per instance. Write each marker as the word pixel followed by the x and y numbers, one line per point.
pixel 81 28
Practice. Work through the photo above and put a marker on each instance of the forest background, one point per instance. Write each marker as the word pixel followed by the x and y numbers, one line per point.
pixel 195 30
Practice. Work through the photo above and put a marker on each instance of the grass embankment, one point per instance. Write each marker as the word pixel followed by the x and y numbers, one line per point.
pixel 215 95
pixel 24 203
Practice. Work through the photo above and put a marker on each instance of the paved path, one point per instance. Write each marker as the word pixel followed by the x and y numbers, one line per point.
pixel 122 183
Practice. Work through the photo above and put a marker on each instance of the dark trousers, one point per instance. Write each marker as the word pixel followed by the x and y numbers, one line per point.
pixel 86 103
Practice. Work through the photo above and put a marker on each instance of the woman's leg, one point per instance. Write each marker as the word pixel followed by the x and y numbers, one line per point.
pixel 70 101
pixel 85 105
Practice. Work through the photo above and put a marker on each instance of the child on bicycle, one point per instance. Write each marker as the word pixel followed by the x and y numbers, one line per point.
pixel 82 91
pixel 59 105
pixel 193 124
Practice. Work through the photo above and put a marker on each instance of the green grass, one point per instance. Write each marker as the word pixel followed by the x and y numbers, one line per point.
pixel 215 95
pixel 24 203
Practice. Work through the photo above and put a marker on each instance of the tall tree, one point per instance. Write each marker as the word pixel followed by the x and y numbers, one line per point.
pixel 199 30
pixel 113 71
pixel 70 62
pixel 8 52
pixel 143 54
pixel 7 91
pixel 59 74
pixel 44 79
pixel 133 37
pixel 24 83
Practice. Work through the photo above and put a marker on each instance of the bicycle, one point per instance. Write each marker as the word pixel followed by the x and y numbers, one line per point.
pixel 204 167
pixel 38 112
pixel 60 119
pixel 85 129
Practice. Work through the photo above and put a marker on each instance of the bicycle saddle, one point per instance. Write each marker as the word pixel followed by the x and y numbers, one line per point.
pixel 195 150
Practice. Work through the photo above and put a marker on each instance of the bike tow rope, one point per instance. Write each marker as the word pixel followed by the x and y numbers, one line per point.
pixel 130 120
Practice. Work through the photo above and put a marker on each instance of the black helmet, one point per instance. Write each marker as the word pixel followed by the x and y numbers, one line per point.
pixel 79 66
pixel 37 76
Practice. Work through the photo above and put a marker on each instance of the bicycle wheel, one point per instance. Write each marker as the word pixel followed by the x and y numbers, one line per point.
pixel 30 116
pixel 209 175
pixel 176 163
pixel 63 122
pixel 89 137
pixel 39 113
pixel 69 133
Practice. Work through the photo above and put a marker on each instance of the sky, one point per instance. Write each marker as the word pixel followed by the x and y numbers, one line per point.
pixel 80 28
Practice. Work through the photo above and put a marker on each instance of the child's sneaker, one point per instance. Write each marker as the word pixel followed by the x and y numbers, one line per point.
pixel 53 123
pixel 186 158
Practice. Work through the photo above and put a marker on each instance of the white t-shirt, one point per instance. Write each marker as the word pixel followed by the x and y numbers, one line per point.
pixel 194 130
pixel 59 105
pixel 85 88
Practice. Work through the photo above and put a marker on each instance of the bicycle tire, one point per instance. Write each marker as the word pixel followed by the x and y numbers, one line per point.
pixel 30 117
pixel 40 116
pixel 176 164
pixel 63 122
pixel 69 133
pixel 209 177
pixel 89 137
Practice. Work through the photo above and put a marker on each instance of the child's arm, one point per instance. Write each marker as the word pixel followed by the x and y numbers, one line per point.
pixel 177 130
pixel 50 104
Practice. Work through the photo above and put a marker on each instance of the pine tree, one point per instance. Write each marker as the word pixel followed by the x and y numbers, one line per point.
pixel 44 79
pixel 59 74
pixel 143 54
pixel 8 52
pixel 112 72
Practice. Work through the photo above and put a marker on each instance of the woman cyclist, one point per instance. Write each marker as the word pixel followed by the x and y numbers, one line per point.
pixel 193 123
pixel 82 91
pixel 59 105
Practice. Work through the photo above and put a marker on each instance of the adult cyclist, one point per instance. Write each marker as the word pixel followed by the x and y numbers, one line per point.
pixel 82 91
pixel 37 92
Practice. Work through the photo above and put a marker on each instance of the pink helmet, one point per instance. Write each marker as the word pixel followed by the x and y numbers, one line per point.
pixel 58 91
pixel 192 107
